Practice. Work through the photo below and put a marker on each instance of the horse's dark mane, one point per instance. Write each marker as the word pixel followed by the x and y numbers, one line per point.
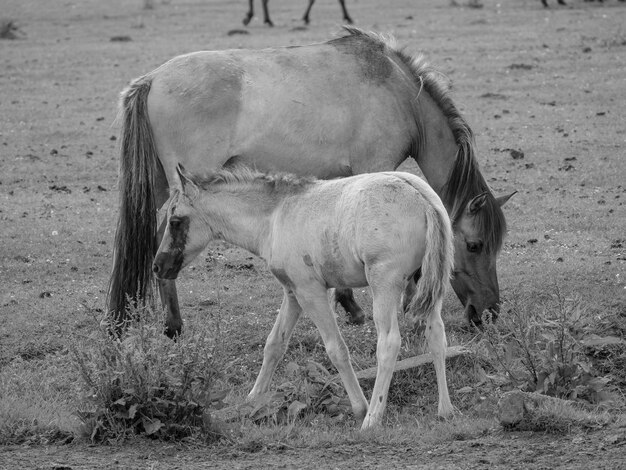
pixel 244 175
pixel 465 180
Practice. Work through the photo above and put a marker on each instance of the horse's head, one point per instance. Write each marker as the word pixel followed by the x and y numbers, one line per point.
pixel 185 236
pixel 478 233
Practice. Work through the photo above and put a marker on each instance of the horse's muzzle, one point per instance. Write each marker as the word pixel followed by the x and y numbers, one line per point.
pixel 475 317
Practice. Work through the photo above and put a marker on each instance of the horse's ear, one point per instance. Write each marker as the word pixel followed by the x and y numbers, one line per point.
pixel 477 203
pixel 501 200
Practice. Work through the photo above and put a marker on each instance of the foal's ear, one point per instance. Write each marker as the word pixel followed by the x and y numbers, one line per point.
pixel 184 177
pixel 501 200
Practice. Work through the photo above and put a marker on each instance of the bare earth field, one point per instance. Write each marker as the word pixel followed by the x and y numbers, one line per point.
pixel 549 84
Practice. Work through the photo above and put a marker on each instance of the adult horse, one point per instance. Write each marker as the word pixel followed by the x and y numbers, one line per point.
pixel 374 229
pixel 305 18
pixel 355 104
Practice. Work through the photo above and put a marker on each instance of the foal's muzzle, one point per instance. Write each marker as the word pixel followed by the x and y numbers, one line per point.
pixel 167 266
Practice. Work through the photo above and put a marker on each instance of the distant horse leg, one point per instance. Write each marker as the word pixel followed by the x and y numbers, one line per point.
pixel 386 299
pixel 314 302
pixel 276 343
pixel 266 14
pixel 345 297
pixel 169 297
pixel 346 16
pixel 250 13
pixel 437 343
pixel 305 18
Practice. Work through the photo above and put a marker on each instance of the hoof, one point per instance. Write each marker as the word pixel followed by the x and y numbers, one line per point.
pixel 356 318
pixel 173 332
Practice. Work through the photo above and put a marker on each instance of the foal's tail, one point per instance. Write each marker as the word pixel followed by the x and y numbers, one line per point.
pixel 135 237
pixel 437 263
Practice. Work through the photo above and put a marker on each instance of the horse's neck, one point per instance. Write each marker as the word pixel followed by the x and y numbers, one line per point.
pixel 240 218
pixel 438 154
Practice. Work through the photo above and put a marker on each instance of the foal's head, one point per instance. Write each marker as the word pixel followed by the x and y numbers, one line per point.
pixel 185 234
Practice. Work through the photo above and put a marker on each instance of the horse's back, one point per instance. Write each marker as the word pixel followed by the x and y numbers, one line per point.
pixel 307 109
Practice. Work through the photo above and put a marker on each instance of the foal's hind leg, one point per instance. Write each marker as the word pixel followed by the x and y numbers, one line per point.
pixel 437 343
pixel 386 295
pixel 345 297
pixel 277 342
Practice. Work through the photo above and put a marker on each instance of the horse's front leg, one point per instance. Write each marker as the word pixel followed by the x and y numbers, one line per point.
pixel 169 297
pixel 277 341
pixel 345 297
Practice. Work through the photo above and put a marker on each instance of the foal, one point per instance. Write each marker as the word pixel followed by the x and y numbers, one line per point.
pixel 376 229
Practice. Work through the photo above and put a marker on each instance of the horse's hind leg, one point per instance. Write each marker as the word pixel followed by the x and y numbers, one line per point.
pixel 346 16
pixel 345 297
pixel 436 339
pixel 314 302
pixel 277 342
pixel 386 298
pixel 266 14
pixel 305 18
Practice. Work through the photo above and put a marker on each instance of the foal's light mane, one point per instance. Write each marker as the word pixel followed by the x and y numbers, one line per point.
pixel 465 180
pixel 233 178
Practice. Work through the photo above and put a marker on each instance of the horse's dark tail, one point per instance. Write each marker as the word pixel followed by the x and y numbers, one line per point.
pixel 135 237
pixel 437 263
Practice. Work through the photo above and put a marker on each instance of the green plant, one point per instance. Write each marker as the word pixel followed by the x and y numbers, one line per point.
pixel 309 388
pixel 145 383
pixel 537 342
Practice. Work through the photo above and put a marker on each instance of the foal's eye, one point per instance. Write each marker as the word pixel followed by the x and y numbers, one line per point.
pixel 174 224
pixel 474 247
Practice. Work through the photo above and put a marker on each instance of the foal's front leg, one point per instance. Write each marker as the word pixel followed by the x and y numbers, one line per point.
pixel 314 301
pixel 277 341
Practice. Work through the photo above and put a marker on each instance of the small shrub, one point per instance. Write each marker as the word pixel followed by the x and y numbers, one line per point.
pixel 537 342
pixel 145 383
pixel 309 388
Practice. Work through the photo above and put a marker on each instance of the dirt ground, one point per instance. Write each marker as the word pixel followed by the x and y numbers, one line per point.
pixel 497 450
pixel 542 88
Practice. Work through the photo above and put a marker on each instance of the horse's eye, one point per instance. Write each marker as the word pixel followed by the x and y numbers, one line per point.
pixel 474 247
pixel 174 224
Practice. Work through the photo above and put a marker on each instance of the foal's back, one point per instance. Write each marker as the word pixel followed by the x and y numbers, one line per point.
pixel 336 230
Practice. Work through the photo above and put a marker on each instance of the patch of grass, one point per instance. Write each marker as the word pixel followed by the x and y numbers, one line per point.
pixel 36 401
pixel 561 417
